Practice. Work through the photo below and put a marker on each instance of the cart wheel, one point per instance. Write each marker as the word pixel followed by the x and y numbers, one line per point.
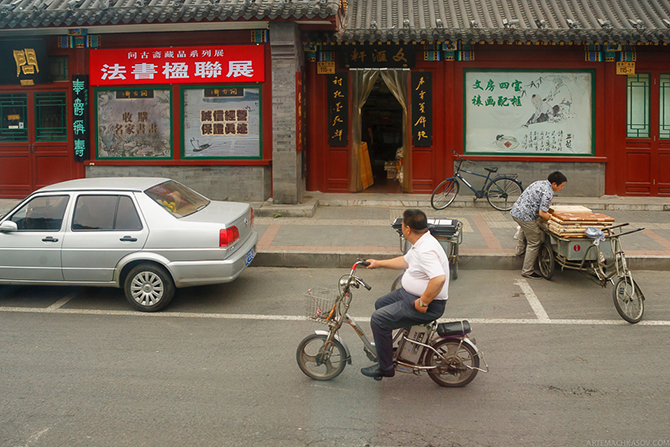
pixel 454 258
pixel 546 261
pixel 628 299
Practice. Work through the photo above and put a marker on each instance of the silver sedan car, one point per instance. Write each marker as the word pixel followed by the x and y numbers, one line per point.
pixel 146 235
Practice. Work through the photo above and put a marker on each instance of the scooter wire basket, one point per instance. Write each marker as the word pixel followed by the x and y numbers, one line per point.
pixel 320 303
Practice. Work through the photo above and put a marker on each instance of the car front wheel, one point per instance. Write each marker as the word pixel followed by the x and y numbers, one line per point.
pixel 149 287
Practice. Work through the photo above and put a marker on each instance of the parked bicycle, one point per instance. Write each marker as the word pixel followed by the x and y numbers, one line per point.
pixel 501 192
pixel 606 261
pixel 442 350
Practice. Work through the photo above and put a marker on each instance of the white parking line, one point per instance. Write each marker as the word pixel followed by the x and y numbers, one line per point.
pixel 132 313
pixel 534 302
pixel 63 301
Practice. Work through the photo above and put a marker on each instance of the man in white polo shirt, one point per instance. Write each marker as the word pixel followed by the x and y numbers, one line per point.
pixel 424 292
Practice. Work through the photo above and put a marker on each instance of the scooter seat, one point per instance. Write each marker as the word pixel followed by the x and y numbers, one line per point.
pixel 454 328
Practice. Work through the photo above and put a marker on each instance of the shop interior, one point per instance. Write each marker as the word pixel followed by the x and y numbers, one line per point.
pixel 382 131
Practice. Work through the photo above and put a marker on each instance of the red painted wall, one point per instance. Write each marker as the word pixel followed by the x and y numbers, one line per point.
pixel 327 166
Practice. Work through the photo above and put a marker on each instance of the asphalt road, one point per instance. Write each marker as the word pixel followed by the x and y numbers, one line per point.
pixel 217 368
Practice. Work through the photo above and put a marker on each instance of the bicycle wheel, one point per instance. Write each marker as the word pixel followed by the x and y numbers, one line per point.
pixel 318 361
pixel 503 192
pixel 460 367
pixel 545 260
pixel 628 299
pixel 444 194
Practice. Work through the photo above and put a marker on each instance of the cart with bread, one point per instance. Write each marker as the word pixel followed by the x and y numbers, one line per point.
pixel 577 238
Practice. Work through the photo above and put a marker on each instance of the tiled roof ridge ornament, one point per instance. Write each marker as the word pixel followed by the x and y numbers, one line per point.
pixel 510 23
pixel 605 24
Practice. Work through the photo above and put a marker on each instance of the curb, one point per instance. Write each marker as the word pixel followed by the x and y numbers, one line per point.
pixel 312 200
pixel 487 261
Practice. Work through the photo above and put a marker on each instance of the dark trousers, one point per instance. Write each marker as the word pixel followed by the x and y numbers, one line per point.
pixel 396 310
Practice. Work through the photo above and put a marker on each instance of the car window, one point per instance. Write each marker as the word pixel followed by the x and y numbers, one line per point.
pixel 105 213
pixel 126 216
pixel 176 198
pixel 44 213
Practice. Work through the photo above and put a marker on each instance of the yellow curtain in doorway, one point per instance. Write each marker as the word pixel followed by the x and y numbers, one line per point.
pixel 363 81
pixel 397 81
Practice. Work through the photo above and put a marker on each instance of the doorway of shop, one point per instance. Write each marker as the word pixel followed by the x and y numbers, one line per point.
pixel 382 129
pixel 379 158
pixel 33 141
pixel 647 150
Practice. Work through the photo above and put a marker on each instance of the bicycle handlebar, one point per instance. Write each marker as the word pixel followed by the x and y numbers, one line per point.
pixel 627 232
pixel 360 281
pixel 458 155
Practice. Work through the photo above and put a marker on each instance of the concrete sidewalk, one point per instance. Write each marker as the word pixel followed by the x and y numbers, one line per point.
pixel 332 230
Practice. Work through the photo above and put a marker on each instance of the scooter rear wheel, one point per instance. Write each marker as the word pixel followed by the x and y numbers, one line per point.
pixel 460 367
pixel 318 361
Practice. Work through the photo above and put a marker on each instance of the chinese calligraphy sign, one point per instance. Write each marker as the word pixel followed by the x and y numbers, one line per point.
pixel 183 65
pixel 338 109
pixel 26 62
pixel 422 108
pixel 222 122
pixel 377 56
pixel 529 112
pixel 80 109
pixel 134 125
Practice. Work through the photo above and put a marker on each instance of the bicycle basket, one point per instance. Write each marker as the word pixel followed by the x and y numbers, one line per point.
pixel 319 303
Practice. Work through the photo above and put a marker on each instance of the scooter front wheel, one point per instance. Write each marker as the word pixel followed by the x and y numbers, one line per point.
pixel 321 361
pixel 457 364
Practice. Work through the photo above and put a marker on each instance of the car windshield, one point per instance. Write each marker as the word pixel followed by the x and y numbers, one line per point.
pixel 178 199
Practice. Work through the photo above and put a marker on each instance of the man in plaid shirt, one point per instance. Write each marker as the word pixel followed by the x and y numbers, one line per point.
pixel 532 205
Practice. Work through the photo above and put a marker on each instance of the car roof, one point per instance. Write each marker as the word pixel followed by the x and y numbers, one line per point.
pixel 106 183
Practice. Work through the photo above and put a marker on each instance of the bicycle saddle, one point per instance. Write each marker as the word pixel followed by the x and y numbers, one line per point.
pixel 492 170
pixel 454 328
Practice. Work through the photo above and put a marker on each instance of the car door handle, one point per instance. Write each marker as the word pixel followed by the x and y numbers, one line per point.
pixel 128 239
pixel 50 239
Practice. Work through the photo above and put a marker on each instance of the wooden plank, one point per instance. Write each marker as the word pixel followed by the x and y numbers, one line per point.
pixel 570 209
pixel 583 217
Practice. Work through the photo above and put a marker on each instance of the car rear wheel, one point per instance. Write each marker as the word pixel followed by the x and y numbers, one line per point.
pixel 149 287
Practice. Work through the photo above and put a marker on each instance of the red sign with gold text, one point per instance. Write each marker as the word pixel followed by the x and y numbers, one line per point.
pixel 178 65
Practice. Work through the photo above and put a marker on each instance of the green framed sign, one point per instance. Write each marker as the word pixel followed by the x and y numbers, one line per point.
pixel 133 123
pixel 222 123
pixel 529 112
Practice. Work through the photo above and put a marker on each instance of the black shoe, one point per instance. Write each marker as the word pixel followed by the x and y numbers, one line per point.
pixel 376 373
pixel 533 276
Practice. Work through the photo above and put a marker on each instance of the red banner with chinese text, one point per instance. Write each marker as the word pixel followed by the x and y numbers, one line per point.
pixel 178 65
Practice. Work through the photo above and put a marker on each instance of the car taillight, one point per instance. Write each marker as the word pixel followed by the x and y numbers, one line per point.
pixel 228 236
pixel 252 218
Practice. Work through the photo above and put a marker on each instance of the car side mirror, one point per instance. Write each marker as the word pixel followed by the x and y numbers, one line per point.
pixel 8 226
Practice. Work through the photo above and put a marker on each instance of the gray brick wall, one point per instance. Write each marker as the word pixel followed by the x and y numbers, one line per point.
pixel 584 179
pixel 235 183
pixel 287 59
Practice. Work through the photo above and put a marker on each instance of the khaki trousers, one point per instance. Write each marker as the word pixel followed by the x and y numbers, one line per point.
pixel 529 242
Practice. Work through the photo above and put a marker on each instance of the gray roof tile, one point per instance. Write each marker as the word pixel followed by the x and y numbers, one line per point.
pixel 75 13
pixel 537 21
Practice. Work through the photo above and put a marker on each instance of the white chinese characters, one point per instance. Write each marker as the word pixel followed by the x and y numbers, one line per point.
pixel 240 68
pixel 115 71
pixel 178 70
